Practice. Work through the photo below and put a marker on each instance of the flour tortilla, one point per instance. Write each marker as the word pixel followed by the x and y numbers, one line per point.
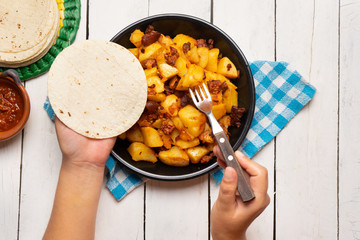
pixel 25 23
pixel 26 57
pixel 97 88
pixel 33 59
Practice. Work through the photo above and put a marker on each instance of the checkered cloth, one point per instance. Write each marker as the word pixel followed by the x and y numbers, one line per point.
pixel 281 92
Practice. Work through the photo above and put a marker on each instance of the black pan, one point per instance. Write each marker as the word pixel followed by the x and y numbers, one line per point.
pixel 173 24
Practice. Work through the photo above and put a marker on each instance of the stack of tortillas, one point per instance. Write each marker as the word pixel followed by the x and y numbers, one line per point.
pixel 28 29
pixel 97 88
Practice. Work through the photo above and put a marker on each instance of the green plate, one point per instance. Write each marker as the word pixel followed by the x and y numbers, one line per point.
pixel 66 37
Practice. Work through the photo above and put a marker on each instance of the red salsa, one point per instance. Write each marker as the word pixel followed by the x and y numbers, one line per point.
pixel 11 106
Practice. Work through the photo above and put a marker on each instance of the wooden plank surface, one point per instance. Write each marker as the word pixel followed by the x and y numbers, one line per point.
pixel 235 18
pixel 10 165
pixel 306 150
pixel 349 139
pixel 310 202
pixel 122 219
pixel 41 158
pixel 179 207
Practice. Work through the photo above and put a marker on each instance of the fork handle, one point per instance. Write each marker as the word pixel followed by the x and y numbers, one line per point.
pixel 243 185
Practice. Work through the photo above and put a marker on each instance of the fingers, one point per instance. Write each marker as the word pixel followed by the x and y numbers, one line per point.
pixel 251 167
pixel 219 156
pixel 258 174
pixel 227 193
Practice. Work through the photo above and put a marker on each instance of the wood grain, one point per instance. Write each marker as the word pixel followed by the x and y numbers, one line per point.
pixel 349 129
pixel 179 207
pixel 41 158
pixel 316 154
pixel 306 150
pixel 251 25
pixel 122 219
pixel 10 165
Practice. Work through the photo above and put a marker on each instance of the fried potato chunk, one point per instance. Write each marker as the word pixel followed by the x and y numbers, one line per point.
pixel 151 137
pixel 227 68
pixel 141 152
pixel 196 153
pixel 174 157
pixel 193 120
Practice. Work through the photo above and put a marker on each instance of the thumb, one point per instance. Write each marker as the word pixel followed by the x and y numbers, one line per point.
pixel 227 193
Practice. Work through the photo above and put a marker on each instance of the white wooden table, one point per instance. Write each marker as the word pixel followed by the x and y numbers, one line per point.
pixel 314 163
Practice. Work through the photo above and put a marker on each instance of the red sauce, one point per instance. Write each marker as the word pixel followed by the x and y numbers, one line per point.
pixel 11 106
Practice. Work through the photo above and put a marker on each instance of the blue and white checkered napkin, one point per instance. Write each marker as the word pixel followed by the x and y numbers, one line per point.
pixel 280 94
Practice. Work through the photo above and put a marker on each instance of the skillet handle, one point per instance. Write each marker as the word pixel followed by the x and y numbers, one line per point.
pixel 244 188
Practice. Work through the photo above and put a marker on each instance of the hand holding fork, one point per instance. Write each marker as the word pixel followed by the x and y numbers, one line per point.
pixel 204 104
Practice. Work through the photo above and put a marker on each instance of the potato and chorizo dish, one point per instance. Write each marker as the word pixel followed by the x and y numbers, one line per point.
pixel 171 128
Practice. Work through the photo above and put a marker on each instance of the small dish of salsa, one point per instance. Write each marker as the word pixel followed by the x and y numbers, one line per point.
pixel 11 106
pixel 14 104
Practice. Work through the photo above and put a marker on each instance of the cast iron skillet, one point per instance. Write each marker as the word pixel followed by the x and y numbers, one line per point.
pixel 173 24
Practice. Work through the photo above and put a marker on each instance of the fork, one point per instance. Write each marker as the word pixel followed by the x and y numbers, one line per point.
pixel 204 104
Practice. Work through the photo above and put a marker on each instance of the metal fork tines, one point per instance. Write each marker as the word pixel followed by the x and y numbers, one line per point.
pixel 204 104
pixel 202 100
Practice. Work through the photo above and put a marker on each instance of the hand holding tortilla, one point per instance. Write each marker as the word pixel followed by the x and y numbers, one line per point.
pixel 97 88
pixel 79 150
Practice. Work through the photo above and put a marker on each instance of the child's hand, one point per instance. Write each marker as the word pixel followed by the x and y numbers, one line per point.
pixel 80 180
pixel 230 217
pixel 80 150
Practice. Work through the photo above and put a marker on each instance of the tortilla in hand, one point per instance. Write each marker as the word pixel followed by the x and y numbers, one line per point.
pixel 97 88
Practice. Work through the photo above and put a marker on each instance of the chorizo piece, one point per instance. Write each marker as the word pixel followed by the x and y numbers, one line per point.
pixel 150 38
pixel 171 56
pixel 235 116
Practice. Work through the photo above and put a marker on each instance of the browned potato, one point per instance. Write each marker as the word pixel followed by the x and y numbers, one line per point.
pixel 180 39
pixel 211 76
pixel 226 121
pixel 178 123
pixel 229 83
pixel 203 53
pixel 151 137
pixel 185 135
pixel 141 152
pixel 219 110
pixel 217 98
pixel 193 120
pixel 193 55
pixel 187 144
pixel 150 51
pixel 227 68
pixel 157 123
pixel 159 97
pixel 134 51
pixel 134 134
pixel 166 140
pixel 174 157
pixel 193 77
pixel 151 72
pixel 165 41
pixel 171 104
pixel 174 134
pixel 136 37
pixel 213 60
pixel 230 98
pixel 196 153
pixel 181 65
pixel 167 71
pixel 154 84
